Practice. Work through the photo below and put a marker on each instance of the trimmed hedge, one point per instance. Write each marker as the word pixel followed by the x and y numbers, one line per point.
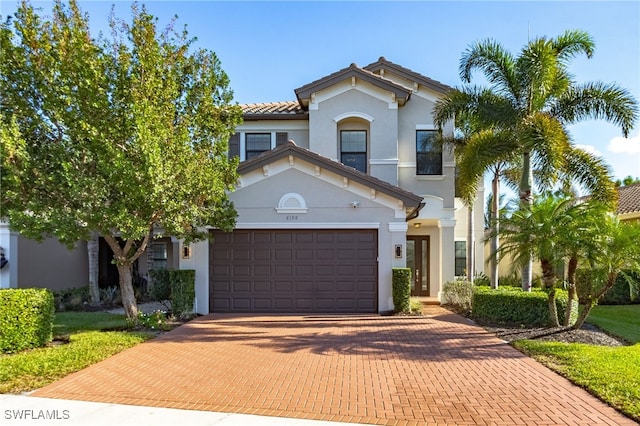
pixel 26 318
pixel 177 286
pixel 401 282
pixel 161 288
pixel 183 290
pixel 509 305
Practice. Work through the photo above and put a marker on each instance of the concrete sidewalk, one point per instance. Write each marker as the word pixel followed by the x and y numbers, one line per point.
pixel 19 410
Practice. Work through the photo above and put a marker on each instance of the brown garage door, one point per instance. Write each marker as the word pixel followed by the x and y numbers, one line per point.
pixel 294 271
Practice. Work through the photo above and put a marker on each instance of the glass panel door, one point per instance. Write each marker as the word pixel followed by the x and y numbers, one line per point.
pixel 418 262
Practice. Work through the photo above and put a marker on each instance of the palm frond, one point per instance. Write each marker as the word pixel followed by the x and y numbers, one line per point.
pixel 591 173
pixel 484 149
pixel 597 100
pixel 496 63
pixel 572 43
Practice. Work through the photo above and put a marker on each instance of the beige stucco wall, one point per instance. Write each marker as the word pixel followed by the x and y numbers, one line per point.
pixel 329 203
pixel 338 108
pixel 50 264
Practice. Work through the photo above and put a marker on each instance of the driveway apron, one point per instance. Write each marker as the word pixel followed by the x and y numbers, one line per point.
pixel 434 369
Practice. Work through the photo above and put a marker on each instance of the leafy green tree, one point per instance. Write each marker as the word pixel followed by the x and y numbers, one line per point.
pixel 525 112
pixel 628 180
pixel 125 136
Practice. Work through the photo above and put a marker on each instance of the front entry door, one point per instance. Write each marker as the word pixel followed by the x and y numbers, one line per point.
pixel 418 262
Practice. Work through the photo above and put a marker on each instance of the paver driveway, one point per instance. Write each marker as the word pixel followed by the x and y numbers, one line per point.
pixel 437 369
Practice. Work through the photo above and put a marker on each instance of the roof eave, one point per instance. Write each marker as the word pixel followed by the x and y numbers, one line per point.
pixel 409 199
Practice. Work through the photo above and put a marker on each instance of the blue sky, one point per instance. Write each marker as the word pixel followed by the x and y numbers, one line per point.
pixel 270 48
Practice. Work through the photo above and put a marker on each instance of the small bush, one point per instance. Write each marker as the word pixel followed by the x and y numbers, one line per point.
pixel 401 282
pixel 624 291
pixel 481 279
pixel 153 321
pixel 72 299
pixel 415 305
pixel 512 280
pixel 458 295
pixel 26 318
pixel 508 305
pixel 183 292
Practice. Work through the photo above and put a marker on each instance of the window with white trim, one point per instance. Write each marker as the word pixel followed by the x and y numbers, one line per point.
pixel 256 144
pixel 460 258
pixel 428 153
pixel 353 149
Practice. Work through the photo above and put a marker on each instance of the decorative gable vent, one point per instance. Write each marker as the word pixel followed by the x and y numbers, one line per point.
pixel 292 203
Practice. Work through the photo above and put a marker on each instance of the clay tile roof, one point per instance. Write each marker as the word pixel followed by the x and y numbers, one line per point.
pixel 629 199
pixel 353 70
pixel 382 63
pixel 273 108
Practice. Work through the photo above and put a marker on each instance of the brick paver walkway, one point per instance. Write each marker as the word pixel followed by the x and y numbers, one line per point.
pixel 437 369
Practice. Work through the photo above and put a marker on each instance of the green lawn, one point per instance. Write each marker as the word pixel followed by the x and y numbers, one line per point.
pixel 622 321
pixel 610 373
pixel 32 369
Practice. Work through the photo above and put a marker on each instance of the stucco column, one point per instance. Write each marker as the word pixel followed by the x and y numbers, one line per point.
pixel 447 253
pixel 200 262
pixel 9 246
pixel 398 239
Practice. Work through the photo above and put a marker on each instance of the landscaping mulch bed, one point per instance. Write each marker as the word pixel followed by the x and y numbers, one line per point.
pixel 587 334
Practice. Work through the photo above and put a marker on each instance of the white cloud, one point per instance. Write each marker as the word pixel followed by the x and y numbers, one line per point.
pixel 622 145
pixel 590 149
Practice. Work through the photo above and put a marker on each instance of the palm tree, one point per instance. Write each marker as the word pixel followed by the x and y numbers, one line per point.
pixel 545 232
pixel 614 251
pixel 524 113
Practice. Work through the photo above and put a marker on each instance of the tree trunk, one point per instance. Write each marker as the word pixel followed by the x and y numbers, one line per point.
pixel 470 245
pixel 124 259
pixel 92 253
pixel 553 309
pixel 495 223
pixel 593 300
pixel 571 281
pixel 549 279
pixel 126 290
pixel 526 201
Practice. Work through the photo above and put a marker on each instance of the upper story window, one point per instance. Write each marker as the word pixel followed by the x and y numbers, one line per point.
pixel 428 153
pixel 353 149
pixel 256 144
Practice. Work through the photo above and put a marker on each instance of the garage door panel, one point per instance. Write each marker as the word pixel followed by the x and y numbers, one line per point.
pixel 293 271
pixel 263 304
pixel 241 287
pixel 262 286
pixel 304 286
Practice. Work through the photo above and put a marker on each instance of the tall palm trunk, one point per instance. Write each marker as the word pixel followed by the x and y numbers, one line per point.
pixel 470 244
pixel 526 201
pixel 495 224
pixel 92 254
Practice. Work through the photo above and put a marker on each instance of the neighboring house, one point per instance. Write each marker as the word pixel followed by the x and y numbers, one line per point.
pixel 337 188
pixel 629 202
pixel 52 265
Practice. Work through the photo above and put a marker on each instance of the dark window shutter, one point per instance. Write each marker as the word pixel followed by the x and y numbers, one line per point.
pixel 281 138
pixel 234 146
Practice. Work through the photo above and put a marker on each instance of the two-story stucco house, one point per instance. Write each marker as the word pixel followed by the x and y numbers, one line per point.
pixel 337 188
